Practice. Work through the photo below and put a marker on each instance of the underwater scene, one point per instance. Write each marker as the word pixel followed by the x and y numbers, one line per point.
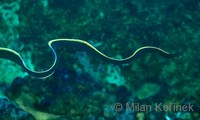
pixel 99 60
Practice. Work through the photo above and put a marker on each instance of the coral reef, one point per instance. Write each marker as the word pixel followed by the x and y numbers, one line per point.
pixel 10 111
pixel 84 88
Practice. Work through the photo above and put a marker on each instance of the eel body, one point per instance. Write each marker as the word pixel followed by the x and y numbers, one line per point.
pixel 83 46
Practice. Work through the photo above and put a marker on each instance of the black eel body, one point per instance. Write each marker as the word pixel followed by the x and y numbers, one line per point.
pixel 83 46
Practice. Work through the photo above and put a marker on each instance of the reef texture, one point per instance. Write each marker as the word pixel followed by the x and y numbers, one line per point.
pixel 85 88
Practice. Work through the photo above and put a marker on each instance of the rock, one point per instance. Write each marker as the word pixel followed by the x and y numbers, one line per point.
pixel 10 111
pixel 148 90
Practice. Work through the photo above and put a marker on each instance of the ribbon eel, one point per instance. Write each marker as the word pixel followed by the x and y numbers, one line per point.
pixel 82 45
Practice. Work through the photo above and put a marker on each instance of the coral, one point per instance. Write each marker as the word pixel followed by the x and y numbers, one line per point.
pixel 10 17
pixel 147 90
pixel 10 38
pixel 122 24
pixel 13 71
pixel 10 111
pixel 114 76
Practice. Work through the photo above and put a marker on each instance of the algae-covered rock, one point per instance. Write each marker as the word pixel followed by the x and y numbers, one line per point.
pixel 10 111
pixel 148 90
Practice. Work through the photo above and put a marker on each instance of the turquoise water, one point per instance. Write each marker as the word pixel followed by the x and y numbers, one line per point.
pixel 83 87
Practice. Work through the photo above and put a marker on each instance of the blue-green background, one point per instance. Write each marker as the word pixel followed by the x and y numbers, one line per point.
pixel 85 88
